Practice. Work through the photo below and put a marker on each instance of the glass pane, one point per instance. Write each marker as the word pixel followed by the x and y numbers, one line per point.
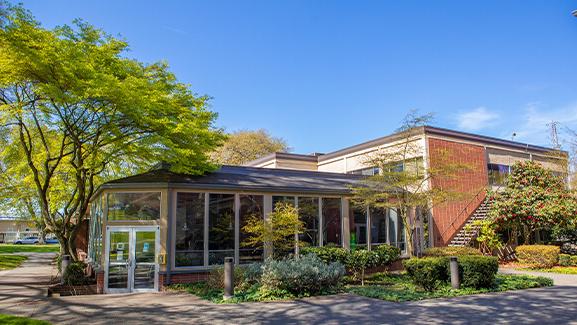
pixel 378 226
pixel 144 276
pixel 286 199
pixel 250 206
pixel 220 228
pixel 332 221
pixel 189 229
pixel 309 214
pixel 118 260
pixel 134 206
pixel 359 227
pixel 145 250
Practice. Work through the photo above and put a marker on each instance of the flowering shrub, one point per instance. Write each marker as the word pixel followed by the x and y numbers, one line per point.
pixel 301 276
pixel 538 256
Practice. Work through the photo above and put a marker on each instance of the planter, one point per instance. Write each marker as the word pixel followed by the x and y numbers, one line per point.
pixel 60 290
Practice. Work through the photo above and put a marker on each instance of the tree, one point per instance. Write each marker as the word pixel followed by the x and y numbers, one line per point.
pixel 280 230
pixel 244 146
pixel 77 112
pixel 534 199
pixel 403 183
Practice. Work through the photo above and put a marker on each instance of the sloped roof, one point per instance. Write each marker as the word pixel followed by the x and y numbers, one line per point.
pixel 246 179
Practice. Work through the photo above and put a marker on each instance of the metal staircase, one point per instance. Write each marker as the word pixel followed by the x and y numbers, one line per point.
pixel 469 231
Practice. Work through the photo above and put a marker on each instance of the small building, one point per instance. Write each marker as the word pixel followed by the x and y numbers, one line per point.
pixel 160 227
pixel 12 228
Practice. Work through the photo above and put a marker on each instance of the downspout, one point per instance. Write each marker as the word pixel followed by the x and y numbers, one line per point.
pixel 168 261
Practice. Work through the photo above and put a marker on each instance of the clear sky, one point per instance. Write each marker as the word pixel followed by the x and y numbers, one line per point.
pixel 328 74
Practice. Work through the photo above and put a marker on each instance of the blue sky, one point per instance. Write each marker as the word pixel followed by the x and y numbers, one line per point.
pixel 327 74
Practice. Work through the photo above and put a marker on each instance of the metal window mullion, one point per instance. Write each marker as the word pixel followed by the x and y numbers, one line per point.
pixel 206 206
pixel 368 234
pixel 236 228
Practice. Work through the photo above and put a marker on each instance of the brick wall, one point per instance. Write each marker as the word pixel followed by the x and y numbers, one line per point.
pixel 182 278
pixel 468 181
pixel 100 282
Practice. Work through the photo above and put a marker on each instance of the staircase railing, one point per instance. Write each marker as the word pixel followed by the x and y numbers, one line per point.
pixel 465 209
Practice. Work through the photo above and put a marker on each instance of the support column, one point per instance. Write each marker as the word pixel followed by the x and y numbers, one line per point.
pixel 345 225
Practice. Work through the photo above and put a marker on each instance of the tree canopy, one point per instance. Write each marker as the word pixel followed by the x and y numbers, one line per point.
pixel 244 146
pixel 534 199
pixel 75 111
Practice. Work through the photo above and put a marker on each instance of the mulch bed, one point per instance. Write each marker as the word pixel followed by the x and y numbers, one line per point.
pixel 68 290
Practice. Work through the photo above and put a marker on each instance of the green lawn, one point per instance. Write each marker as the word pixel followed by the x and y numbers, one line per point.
pixel 399 288
pixel 556 269
pixel 11 248
pixel 8 262
pixel 13 320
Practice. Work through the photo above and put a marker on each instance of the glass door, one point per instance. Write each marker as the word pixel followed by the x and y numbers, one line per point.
pixel 131 259
pixel 118 258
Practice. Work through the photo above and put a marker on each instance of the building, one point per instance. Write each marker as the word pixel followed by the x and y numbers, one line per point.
pixel 12 228
pixel 159 227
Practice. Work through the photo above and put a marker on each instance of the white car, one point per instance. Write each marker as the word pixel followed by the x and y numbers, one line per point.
pixel 27 240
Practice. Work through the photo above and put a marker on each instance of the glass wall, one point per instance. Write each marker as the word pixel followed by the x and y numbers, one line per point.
pixel 189 238
pixel 95 231
pixel 396 230
pixel 331 220
pixel 134 206
pixel 358 216
pixel 378 226
pixel 251 206
pixel 498 174
pixel 309 215
pixel 285 199
pixel 220 227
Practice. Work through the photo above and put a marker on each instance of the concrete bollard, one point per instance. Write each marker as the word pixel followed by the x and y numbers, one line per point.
pixel 64 262
pixel 228 277
pixel 454 266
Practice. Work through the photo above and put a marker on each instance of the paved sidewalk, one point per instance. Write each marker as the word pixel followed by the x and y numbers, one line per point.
pixel 558 278
pixel 554 305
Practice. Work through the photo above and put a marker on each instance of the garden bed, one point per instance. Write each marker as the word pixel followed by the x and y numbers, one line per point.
pixel 399 287
pixel 60 290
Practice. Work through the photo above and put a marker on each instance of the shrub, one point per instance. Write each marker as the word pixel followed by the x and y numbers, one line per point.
pixel 74 274
pixel 360 260
pixel 387 254
pixel 328 254
pixel 451 251
pixel 252 273
pixel 478 271
pixel 573 260
pixel 538 256
pixel 564 260
pixel 427 272
pixel 215 278
pixel 301 276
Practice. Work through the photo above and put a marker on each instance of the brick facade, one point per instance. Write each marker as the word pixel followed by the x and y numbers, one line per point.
pixel 181 278
pixel 470 182
pixel 100 282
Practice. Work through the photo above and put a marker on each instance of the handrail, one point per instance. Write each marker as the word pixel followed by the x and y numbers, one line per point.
pixel 474 199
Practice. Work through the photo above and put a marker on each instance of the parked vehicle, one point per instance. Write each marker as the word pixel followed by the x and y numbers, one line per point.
pixel 27 240
pixel 51 241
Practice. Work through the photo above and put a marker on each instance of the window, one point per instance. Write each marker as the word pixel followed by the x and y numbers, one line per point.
pixel 358 216
pixel 250 206
pixel 309 215
pixel 134 206
pixel 95 231
pixel 498 173
pixel 378 226
pixel 370 171
pixel 285 199
pixel 220 228
pixel 189 229
pixel 396 230
pixel 331 221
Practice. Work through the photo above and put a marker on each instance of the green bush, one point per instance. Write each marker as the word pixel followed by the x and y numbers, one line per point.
pixel 564 260
pixel 478 271
pixel 451 251
pixel 360 260
pixel 538 256
pixel 573 260
pixel 328 254
pixel 301 276
pixel 75 275
pixel 387 254
pixel 427 272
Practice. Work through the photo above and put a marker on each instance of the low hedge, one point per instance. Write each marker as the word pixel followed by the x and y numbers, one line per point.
pixel 387 254
pixel 328 254
pixel 451 251
pixel 427 272
pixel 538 256
pixel 477 271
pixel 567 260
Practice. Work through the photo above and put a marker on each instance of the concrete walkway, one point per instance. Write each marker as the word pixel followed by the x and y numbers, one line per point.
pixel 555 305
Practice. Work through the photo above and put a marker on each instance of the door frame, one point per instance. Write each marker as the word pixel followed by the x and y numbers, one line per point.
pixel 131 256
